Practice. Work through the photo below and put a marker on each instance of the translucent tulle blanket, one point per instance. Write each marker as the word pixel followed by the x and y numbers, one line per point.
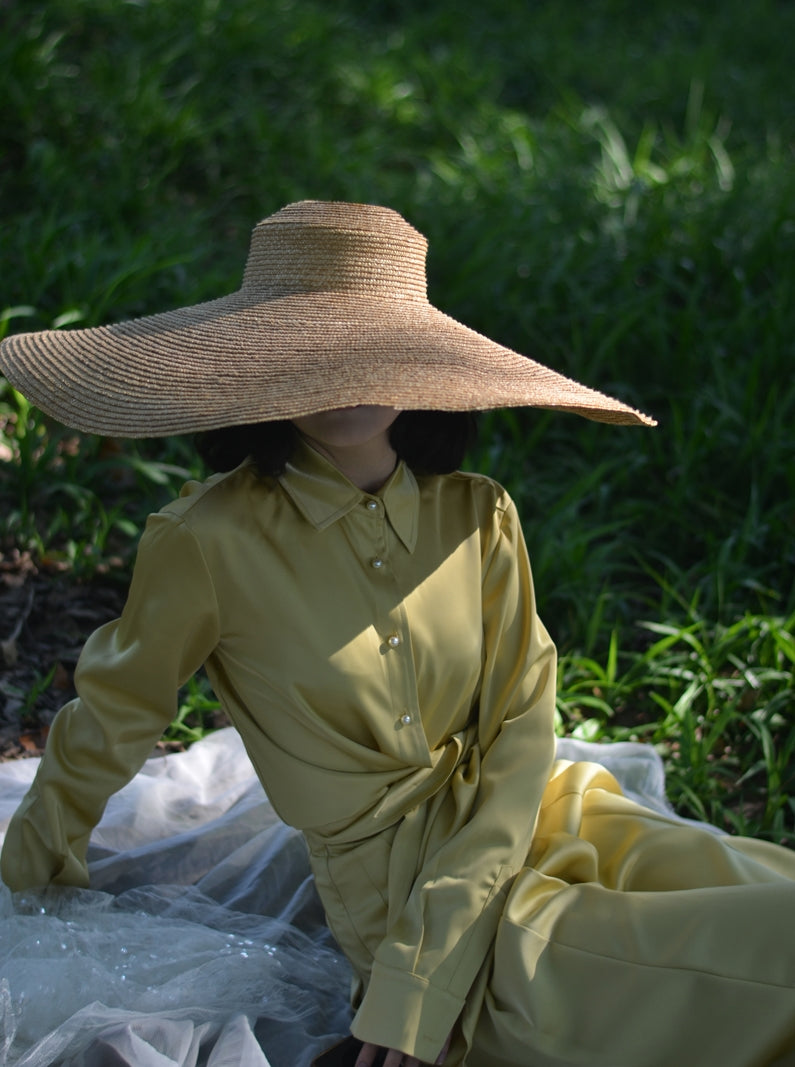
pixel 202 940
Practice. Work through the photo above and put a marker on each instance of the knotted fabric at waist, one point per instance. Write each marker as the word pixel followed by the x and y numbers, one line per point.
pixel 396 793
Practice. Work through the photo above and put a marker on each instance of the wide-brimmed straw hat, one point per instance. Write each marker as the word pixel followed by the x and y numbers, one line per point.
pixel 332 312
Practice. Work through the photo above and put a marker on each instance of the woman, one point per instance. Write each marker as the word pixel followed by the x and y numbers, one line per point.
pixel 366 616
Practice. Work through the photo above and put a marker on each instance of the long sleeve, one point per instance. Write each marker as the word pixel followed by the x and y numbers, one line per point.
pixel 434 948
pixel 127 679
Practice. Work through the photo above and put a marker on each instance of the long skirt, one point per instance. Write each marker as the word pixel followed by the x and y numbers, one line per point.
pixel 632 940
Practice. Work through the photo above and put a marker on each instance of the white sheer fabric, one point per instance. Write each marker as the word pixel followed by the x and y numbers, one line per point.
pixel 202 941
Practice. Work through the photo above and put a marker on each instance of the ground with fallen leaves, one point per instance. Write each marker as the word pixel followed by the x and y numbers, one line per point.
pixel 45 617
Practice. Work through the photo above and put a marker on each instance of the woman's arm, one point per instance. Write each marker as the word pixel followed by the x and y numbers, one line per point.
pixel 127 679
pixel 433 949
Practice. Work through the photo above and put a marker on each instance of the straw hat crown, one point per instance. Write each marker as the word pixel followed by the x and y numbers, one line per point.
pixel 332 312
pixel 313 246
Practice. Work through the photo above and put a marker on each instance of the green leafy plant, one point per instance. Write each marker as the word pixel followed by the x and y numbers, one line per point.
pixel 609 189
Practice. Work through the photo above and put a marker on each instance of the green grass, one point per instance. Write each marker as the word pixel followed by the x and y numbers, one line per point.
pixel 724 700
pixel 607 187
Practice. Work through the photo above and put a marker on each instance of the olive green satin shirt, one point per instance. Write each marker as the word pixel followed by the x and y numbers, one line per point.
pixel 381 656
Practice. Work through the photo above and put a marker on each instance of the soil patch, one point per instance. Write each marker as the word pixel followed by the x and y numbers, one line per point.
pixel 45 619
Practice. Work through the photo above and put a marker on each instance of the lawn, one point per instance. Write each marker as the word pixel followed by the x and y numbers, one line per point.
pixel 607 187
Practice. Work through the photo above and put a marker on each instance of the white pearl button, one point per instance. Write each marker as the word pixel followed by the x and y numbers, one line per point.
pixel 393 641
pixel 377 563
pixel 372 504
pixel 405 719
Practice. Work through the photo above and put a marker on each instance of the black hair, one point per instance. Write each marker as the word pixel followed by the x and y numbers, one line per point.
pixel 269 444
pixel 433 442
pixel 430 442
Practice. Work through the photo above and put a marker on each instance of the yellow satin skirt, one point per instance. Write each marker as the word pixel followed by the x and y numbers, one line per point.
pixel 634 940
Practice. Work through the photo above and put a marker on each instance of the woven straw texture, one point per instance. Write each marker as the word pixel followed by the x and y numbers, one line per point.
pixel 332 312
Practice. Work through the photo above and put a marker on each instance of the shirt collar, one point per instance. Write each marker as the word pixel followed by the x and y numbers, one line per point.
pixel 323 494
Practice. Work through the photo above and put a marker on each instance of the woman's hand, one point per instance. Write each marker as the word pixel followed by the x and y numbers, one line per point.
pixel 396 1058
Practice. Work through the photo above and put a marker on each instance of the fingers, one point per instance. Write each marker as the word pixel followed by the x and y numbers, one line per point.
pixel 445 1049
pixel 367 1055
pixel 394 1057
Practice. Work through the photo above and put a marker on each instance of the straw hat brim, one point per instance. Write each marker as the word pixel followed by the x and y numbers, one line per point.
pixel 332 312
pixel 236 360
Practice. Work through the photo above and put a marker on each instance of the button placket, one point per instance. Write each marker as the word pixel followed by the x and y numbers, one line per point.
pixel 376 534
pixel 392 624
pixel 408 721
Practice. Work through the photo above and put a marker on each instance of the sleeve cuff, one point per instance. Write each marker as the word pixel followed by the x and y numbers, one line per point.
pixel 406 1012
pixel 35 852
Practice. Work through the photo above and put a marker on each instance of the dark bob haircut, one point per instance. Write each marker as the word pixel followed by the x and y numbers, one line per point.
pixel 430 442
